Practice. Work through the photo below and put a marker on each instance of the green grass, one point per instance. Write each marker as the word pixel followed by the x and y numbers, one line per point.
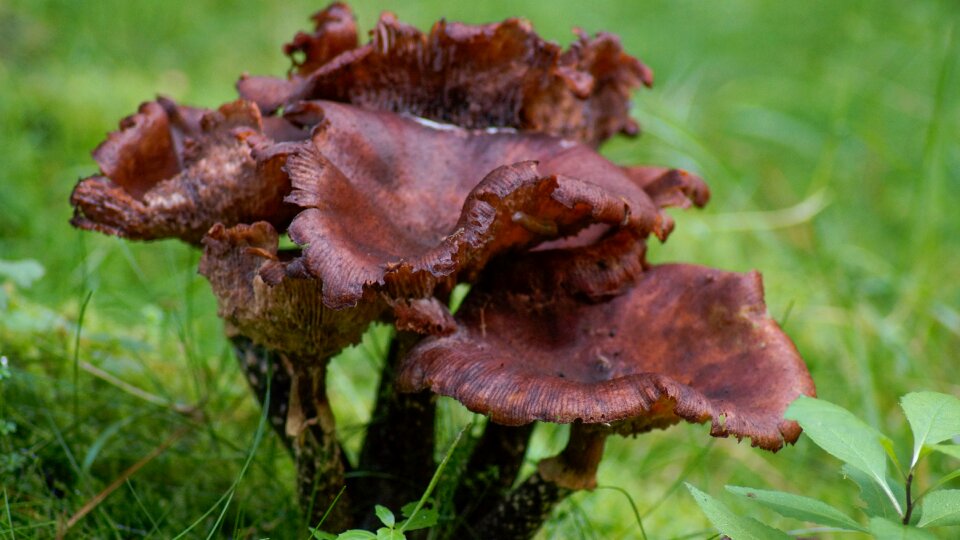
pixel 828 133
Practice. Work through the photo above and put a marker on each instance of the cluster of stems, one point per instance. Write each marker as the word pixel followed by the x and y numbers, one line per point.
pixel 396 460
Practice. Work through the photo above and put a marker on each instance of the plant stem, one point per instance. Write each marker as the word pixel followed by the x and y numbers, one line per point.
pixel 76 357
pixel 907 514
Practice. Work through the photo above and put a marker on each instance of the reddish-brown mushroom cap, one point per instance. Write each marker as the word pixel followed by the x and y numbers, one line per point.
pixel 405 205
pixel 286 316
pixel 173 171
pixel 501 75
pixel 686 342
pixel 335 32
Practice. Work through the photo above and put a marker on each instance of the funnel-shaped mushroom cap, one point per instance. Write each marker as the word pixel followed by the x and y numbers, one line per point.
pixel 173 171
pixel 403 205
pixel 495 75
pixel 287 316
pixel 685 342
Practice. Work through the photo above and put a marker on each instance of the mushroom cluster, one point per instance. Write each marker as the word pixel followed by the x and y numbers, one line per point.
pixel 416 162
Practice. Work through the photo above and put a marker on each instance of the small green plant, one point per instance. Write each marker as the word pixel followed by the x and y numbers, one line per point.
pixel 420 514
pixel 415 518
pixel 894 507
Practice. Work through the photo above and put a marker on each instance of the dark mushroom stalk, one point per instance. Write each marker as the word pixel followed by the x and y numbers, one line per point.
pixel 297 337
pixel 521 512
pixel 396 461
pixel 492 469
pixel 576 467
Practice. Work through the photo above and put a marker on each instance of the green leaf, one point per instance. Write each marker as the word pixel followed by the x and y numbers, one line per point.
pixel 876 500
pixel 884 529
pixel 844 436
pixel 384 533
pixel 317 534
pixel 799 507
pixel 941 508
pixel 952 450
pixel 888 447
pixel 385 515
pixel 410 507
pixel 425 518
pixel 933 417
pixel 21 273
pixel 732 525
pixel 357 534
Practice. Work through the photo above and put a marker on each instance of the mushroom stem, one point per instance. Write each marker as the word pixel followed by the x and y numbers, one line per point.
pixel 492 469
pixel 397 461
pixel 521 513
pixel 518 515
pixel 576 467
pixel 263 370
pixel 299 413
pixel 320 463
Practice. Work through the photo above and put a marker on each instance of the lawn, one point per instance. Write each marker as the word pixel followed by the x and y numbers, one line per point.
pixel 828 132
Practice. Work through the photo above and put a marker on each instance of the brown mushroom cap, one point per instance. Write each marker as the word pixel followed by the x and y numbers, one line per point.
pixel 686 342
pixel 494 75
pixel 174 171
pixel 286 316
pixel 403 205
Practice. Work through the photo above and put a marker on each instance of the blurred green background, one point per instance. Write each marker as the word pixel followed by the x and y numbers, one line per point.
pixel 828 132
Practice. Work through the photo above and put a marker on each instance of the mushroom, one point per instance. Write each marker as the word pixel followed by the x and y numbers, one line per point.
pixel 405 206
pixel 494 75
pixel 175 171
pixel 284 327
pixel 540 340
pixel 410 164
pixel 310 306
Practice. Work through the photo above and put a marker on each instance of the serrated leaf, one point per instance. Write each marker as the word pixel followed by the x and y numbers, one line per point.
pixel 732 525
pixel 952 450
pixel 876 500
pixel 799 507
pixel 841 434
pixel 884 529
pixel 21 273
pixel 941 508
pixel 317 534
pixel 384 533
pixel 933 418
pixel 385 515
pixel 425 518
pixel 356 534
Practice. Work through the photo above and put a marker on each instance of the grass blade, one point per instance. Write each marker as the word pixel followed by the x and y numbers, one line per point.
pixel 435 479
